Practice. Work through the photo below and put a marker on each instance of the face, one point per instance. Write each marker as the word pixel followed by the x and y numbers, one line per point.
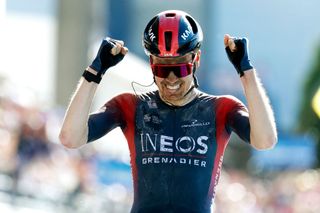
pixel 173 88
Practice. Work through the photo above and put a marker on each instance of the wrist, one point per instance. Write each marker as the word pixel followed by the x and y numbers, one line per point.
pixel 90 75
pixel 244 67
pixel 93 71
pixel 248 74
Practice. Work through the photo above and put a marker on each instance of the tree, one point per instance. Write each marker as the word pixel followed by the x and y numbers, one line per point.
pixel 309 122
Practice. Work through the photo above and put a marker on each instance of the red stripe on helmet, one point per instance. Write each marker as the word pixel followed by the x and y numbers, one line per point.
pixel 168 23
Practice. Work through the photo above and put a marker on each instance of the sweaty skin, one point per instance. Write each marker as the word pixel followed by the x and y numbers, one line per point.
pixel 176 141
pixel 174 90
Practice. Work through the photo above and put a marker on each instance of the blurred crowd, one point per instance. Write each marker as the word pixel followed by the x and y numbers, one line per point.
pixel 281 192
pixel 37 174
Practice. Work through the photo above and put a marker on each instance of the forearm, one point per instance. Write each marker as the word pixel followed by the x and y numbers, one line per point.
pixel 263 133
pixel 74 131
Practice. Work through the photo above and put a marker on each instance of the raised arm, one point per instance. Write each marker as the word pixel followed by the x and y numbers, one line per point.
pixel 263 133
pixel 74 130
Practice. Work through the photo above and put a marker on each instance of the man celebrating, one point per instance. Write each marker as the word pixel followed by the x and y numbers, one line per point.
pixel 177 134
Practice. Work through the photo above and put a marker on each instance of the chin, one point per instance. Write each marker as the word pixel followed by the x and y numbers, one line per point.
pixel 171 98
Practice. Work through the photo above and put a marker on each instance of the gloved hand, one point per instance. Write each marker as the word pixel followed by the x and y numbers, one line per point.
pixel 110 53
pixel 238 54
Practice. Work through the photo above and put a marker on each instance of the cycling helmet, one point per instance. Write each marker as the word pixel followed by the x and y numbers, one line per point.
pixel 172 33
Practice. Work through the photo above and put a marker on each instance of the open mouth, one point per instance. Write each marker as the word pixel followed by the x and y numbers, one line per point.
pixel 173 87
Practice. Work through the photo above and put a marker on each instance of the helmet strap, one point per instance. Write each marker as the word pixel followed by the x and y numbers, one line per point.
pixel 195 80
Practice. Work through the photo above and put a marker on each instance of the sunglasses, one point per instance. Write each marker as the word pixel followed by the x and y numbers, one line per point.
pixel 179 70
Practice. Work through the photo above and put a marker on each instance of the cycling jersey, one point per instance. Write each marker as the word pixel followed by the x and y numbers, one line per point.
pixel 176 152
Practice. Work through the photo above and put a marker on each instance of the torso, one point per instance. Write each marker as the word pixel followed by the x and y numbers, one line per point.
pixel 176 152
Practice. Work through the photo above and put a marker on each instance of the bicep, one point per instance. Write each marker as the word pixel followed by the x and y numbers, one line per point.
pixel 239 123
pixel 103 122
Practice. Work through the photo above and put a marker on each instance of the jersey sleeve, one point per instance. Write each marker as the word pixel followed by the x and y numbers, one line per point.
pixel 110 116
pixel 235 115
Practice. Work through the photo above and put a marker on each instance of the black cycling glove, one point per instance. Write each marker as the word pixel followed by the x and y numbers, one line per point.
pixel 104 59
pixel 240 57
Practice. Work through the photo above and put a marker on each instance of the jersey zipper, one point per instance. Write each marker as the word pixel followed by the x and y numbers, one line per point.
pixel 173 166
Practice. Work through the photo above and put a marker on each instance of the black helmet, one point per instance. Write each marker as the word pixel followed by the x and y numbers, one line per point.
pixel 172 33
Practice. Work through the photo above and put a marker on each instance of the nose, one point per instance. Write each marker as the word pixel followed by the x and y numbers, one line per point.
pixel 172 77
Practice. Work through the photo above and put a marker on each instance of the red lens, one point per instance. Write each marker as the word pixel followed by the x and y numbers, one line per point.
pixel 179 70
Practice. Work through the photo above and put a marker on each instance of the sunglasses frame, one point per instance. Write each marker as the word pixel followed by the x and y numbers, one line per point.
pixel 180 69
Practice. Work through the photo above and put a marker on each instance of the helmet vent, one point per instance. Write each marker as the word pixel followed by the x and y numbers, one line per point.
pixel 193 24
pixel 170 15
pixel 168 39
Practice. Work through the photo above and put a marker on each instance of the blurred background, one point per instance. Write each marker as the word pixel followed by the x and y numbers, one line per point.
pixel 44 48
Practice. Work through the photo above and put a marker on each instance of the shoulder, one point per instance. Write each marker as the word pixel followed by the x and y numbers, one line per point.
pixel 129 98
pixel 222 102
pixel 148 96
pixel 228 99
pixel 124 96
pixel 229 103
pixel 123 99
pixel 218 98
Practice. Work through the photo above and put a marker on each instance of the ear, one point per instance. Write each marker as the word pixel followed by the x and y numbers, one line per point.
pixel 197 60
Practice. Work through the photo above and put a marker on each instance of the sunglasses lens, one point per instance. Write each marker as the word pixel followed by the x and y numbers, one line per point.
pixel 180 70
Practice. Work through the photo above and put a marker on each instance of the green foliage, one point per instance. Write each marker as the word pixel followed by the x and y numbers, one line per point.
pixel 308 120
